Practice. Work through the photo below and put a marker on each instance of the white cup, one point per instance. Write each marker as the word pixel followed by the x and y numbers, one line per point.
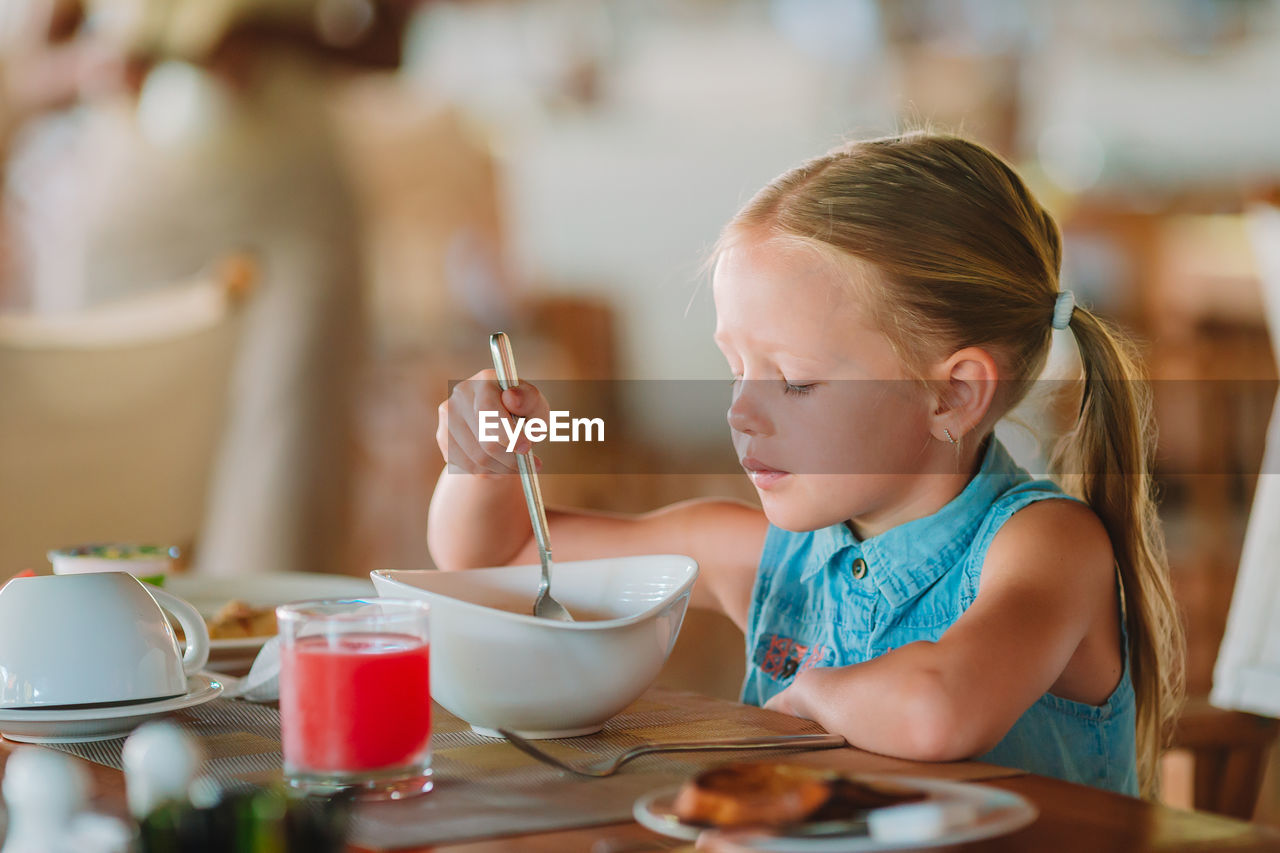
pixel 138 560
pixel 94 638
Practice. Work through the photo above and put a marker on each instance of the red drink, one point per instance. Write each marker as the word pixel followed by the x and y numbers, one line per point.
pixel 355 702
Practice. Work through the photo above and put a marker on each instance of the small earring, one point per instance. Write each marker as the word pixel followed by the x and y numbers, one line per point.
pixel 947 432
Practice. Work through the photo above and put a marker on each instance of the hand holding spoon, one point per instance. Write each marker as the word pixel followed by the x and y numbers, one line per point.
pixel 544 606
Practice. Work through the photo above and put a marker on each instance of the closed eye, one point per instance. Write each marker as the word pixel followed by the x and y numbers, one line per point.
pixel 792 388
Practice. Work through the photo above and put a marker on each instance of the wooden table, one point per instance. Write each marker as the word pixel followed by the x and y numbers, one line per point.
pixel 1072 817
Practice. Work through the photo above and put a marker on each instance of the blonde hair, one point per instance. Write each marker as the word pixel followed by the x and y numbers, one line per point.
pixel 967 257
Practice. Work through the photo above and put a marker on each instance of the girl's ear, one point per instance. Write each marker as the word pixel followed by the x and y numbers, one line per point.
pixel 966 385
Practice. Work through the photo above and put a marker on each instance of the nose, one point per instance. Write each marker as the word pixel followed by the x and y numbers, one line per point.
pixel 745 414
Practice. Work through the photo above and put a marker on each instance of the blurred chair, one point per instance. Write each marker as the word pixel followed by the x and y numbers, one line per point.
pixel 1229 751
pixel 111 418
pixel 1231 746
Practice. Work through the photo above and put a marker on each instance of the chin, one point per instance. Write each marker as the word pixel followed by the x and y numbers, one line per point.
pixel 792 515
pixel 808 504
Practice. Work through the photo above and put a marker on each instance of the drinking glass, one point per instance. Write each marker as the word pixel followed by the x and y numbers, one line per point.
pixel 355 699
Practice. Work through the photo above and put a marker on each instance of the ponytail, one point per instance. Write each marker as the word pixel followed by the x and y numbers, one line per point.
pixel 1106 461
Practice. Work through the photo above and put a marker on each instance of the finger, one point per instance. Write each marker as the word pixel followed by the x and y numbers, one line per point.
pixel 466 403
pixel 475 456
pixel 473 460
pixel 485 397
pixel 525 400
pixel 456 447
pixel 522 445
pixel 516 400
pixel 479 391
pixel 458 442
pixel 495 444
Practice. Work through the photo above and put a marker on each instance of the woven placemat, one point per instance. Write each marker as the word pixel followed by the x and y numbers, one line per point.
pixel 485 787
pixel 241 741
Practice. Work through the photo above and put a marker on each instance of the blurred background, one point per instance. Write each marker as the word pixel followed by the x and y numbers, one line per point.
pixel 378 184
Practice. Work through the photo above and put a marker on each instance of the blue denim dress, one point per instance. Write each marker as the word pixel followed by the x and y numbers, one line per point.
pixel 824 598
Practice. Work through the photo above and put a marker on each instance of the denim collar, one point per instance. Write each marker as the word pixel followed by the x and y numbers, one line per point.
pixel 906 559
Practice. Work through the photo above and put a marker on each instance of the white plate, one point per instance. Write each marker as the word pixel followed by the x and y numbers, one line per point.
pixel 209 594
pixel 74 725
pixel 996 812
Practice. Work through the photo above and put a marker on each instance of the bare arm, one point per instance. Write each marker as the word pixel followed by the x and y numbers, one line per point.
pixel 478 515
pixel 1048 583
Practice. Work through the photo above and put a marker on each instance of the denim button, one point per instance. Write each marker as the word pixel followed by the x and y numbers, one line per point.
pixel 859 568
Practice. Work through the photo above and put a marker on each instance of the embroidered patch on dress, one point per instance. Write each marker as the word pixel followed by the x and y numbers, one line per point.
pixel 781 657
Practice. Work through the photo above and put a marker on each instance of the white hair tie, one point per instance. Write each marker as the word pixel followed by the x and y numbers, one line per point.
pixel 1063 308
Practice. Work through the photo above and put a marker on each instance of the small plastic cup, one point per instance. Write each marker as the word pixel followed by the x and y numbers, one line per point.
pixel 355 697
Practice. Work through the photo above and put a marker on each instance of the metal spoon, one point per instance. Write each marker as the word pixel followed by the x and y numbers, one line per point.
pixel 544 606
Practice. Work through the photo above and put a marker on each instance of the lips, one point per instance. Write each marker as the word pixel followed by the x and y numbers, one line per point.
pixel 761 474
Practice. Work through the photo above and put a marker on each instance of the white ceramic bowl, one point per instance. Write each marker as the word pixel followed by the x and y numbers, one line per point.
pixel 497 667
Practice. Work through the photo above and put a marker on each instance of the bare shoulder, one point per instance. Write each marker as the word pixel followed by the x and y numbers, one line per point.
pixel 1048 541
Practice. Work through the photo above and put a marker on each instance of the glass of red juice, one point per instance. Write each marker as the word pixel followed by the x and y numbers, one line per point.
pixel 355 696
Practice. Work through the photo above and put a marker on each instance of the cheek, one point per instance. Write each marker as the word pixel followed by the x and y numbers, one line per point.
pixel 867 433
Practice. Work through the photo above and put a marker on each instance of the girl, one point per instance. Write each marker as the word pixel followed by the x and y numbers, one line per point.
pixel 906 584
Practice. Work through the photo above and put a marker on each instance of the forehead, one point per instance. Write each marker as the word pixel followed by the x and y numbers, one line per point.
pixel 787 293
pixel 775 267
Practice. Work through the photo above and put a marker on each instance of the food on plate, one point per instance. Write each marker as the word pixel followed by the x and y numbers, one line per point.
pixel 113 551
pixel 238 619
pixel 752 794
pixel 773 795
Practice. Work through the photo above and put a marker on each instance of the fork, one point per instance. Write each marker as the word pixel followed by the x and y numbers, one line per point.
pixel 608 767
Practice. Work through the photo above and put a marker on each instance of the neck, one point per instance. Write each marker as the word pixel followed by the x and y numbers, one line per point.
pixel 944 476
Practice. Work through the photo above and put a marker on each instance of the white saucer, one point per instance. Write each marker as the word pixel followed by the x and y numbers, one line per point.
pixel 76 725
pixel 991 812
pixel 208 594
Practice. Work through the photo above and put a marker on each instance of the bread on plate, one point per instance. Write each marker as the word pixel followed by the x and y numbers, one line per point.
pixel 767 794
